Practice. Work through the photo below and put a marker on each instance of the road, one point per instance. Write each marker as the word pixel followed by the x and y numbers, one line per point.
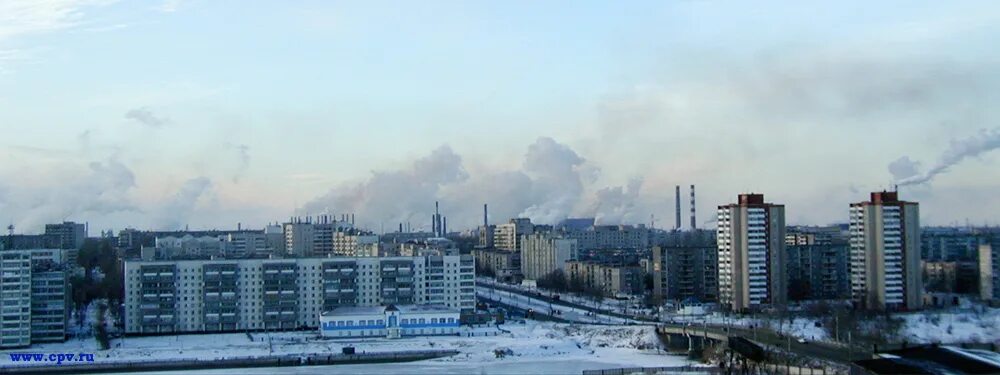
pixel 547 300
pixel 579 313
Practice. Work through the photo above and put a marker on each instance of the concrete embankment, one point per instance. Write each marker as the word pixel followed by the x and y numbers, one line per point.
pixel 263 361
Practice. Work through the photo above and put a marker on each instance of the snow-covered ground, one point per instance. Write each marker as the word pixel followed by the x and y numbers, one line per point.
pixel 952 326
pixel 606 304
pixel 565 312
pixel 531 346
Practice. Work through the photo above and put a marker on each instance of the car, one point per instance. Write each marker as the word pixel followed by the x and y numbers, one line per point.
pixel 801 341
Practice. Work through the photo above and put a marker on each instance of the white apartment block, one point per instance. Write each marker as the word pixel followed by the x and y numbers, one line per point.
pixel 337 238
pixel 279 294
pixel 34 295
pixel 610 237
pixel 15 298
pixel 508 236
pixel 885 253
pixel 751 243
pixel 543 253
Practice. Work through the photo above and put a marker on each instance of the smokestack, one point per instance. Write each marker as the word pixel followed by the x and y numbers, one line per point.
pixel 434 225
pixel 352 220
pixel 239 226
pixel 444 226
pixel 694 222
pixel 486 221
pixel 400 227
pixel 677 206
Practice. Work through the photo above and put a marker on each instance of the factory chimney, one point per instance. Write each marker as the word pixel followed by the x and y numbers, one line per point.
pixel 694 222
pixel 677 206
pixel 444 226
pixel 486 221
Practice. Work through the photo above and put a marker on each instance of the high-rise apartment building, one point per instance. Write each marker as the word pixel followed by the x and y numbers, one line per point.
pixel 34 292
pixel 508 236
pixel 989 270
pixel 885 253
pixel 257 294
pixel 71 234
pixel 818 272
pixel 543 253
pixel 327 237
pixel 751 243
pixel 682 273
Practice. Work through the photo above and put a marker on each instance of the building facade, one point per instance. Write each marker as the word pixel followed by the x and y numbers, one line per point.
pixel 818 272
pixel 684 273
pixel 885 253
pixel 71 235
pixel 278 294
pixel 34 297
pixel 608 236
pixel 508 236
pixel 989 271
pixel 543 253
pixel 504 265
pixel 608 279
pixel 390 321
pixel 751 244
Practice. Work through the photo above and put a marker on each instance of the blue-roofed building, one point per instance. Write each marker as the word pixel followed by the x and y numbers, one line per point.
pixel 389 321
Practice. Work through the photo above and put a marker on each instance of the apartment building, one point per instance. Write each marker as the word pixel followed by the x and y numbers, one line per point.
pixel 279 294
pixel 543 253
pixel 818 272
pixel 885 253
pixel 608 236
pixel 328 238
pixel 504 265
pixel 609 279
pixel 989 269
pixel 34 297
pixel 508 236
pixel 751 243
pixel 682 273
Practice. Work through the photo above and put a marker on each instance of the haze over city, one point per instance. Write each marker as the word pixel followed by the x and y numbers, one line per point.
pixel 193 113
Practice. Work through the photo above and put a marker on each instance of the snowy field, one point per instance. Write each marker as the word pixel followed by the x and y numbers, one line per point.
pixel 565 312
pixel 531 347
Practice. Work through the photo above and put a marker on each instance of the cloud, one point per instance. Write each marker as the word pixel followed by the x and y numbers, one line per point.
pixel 103 189
pixel 146 117
pixel 176 211
pixel 985 141
pixel 552 183
pixel 169 6
pixel 243 154
pixel 904 168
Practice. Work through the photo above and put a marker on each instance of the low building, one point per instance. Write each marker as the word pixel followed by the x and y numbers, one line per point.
pixel 389 321
pixel 608 279
pixel 950 277
pixel 504 265
pixel 684 273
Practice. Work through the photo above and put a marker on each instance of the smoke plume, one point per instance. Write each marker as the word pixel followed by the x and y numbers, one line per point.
pixel 178 209
pixel 146 117
pixel 987 140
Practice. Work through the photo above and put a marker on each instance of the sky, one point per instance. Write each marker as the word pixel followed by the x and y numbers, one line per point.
pixel 205 114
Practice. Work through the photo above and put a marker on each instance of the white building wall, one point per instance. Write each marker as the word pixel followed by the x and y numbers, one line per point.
pixel 457 289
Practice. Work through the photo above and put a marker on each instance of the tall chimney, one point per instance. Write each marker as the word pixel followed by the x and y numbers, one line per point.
pixel 400 227
pixel 352 220
pixel 694 222
pixel 486 221
pixel 444 226
pixel 677 206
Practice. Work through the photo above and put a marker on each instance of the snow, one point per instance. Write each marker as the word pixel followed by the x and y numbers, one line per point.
pixel 567 313
pixel 952 326
pixel 533 347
